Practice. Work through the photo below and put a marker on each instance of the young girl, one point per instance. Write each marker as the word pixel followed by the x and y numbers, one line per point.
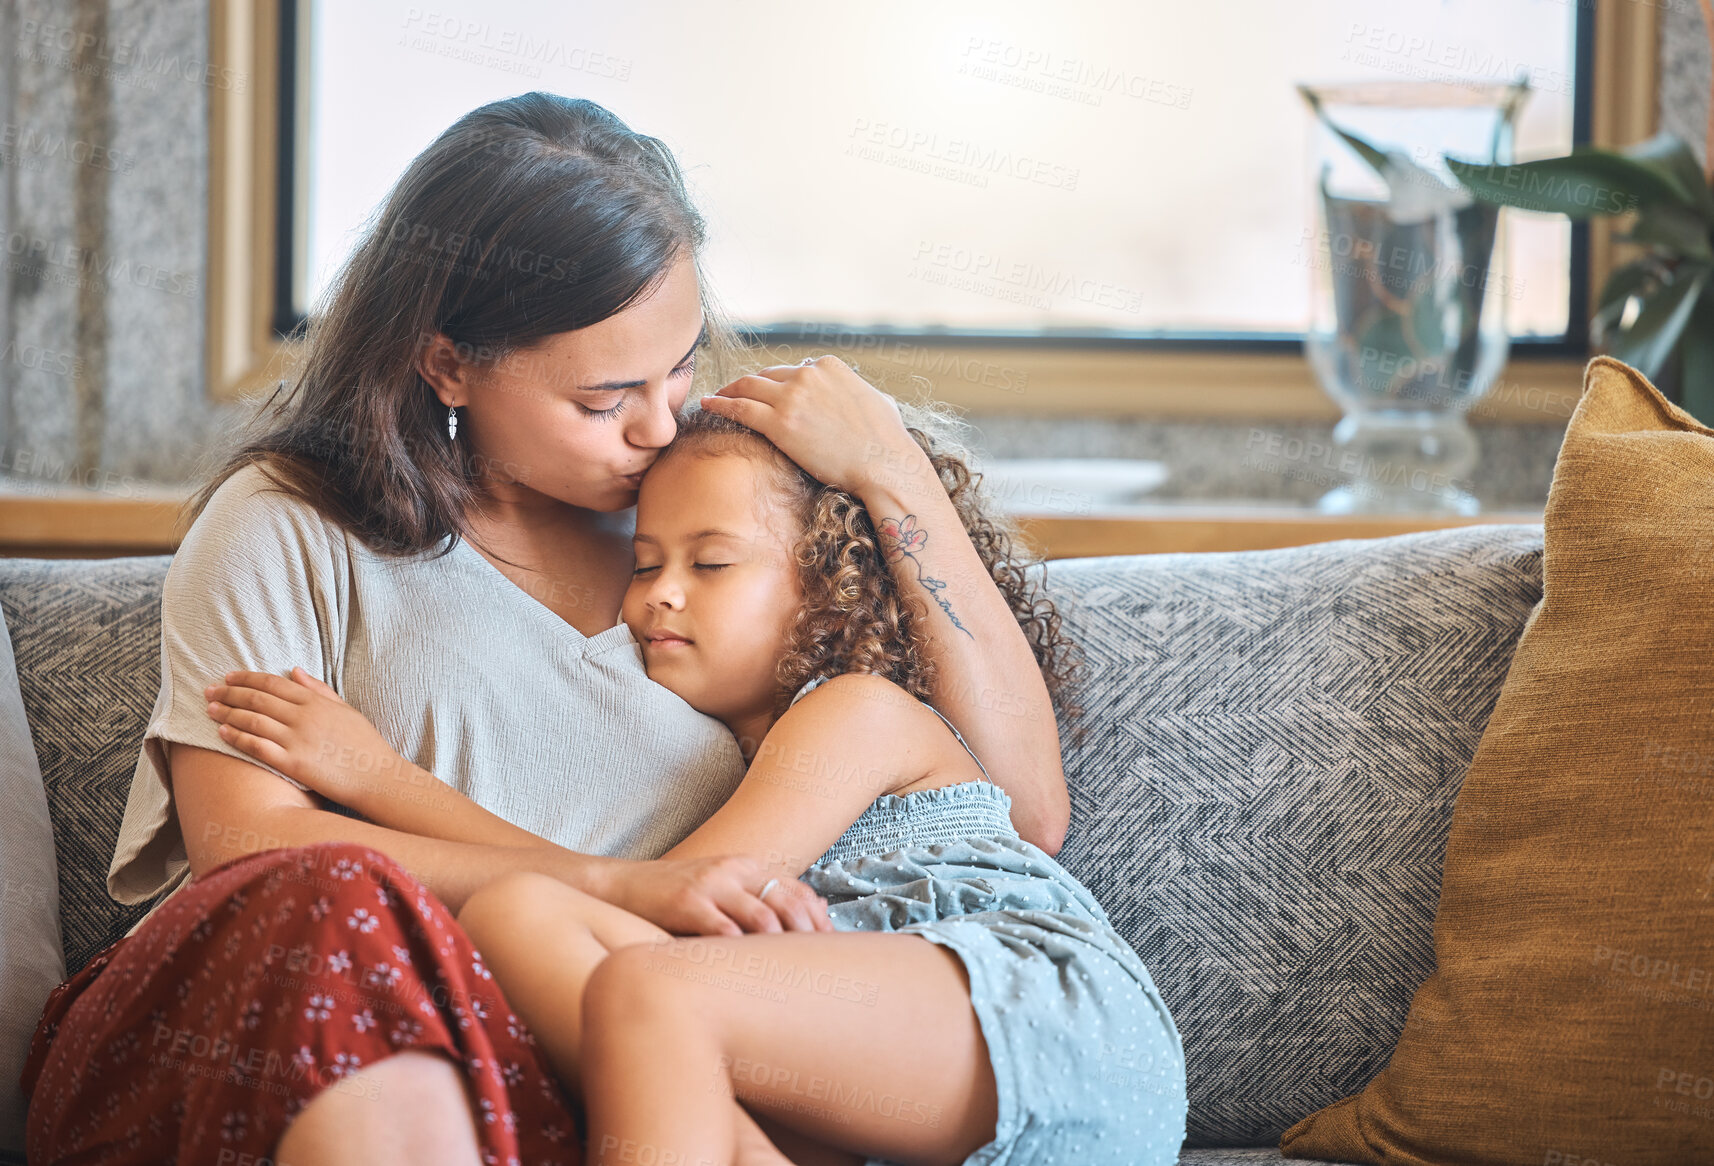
pixel 766 600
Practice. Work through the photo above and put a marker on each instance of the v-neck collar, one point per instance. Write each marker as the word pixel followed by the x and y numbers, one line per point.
pixel 618 633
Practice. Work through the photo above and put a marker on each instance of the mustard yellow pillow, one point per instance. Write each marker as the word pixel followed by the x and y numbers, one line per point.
pixel 1570 1017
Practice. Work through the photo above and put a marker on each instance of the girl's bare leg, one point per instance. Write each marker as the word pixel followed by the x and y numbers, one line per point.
pixel 865 1042
pixel 543 940
pixel 800 1149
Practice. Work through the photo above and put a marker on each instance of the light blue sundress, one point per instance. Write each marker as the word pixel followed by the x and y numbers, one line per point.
pixel 1088 1062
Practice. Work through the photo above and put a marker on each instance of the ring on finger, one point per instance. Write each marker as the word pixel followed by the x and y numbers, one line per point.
pixel 766 887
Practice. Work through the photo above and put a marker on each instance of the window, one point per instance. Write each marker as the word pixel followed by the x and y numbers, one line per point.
pixel 1095 170
pixel 1216 314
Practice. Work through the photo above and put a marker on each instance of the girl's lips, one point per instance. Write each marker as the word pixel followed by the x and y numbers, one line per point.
pixel 669 642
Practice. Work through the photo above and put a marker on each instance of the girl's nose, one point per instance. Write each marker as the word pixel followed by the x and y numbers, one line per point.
pixel 665 592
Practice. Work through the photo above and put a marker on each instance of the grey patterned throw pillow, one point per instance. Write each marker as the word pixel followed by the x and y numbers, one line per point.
pixel 87 635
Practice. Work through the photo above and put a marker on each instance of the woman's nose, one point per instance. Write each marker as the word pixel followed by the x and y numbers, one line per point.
pixel 656 425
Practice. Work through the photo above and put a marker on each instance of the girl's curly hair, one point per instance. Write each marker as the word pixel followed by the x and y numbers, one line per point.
pixel 854 618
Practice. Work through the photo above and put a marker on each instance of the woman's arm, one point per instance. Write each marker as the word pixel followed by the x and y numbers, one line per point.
pixel 228 808
pixel 844 431
pixel 986 678
pixel 816 772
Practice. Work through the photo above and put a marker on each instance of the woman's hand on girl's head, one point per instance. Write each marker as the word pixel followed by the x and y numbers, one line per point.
pixel 301 727
pixel 836 425
pixel 715 896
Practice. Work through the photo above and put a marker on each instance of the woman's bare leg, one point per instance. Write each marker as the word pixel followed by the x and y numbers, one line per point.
pixel 408 1108
pixel 865 1042
pixel 543 940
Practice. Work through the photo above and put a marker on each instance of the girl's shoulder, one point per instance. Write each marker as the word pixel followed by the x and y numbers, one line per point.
pixel 864 710
pixel 858 686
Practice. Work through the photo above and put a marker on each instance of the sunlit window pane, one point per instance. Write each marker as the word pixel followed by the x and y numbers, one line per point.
pixel 1138 167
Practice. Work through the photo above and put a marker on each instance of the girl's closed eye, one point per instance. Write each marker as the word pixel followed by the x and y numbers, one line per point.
pixel 698 566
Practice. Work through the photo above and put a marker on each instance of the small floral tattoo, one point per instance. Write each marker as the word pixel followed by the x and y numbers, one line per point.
pixel 901 539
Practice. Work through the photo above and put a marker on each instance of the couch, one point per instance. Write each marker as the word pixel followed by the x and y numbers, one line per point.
pixel 1261 787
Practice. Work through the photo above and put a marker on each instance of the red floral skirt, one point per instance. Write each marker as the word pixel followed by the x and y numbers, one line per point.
pixel 274 976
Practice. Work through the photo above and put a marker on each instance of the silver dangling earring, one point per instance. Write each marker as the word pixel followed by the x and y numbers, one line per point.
pixel 452 423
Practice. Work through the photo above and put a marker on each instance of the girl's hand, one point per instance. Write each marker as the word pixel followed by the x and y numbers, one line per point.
pixel 715 896
pixel 841 429
pixel 303 728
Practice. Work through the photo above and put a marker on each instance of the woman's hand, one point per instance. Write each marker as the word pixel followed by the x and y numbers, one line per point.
pixel 303 728
pixel 841 429
pixel 715 896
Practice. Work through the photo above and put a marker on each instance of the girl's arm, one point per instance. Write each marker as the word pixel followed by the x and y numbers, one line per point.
pixel 845 432
pixel 302 728
pixel 816 772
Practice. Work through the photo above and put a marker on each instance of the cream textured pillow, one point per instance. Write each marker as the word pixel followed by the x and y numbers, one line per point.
pixel 1570 1017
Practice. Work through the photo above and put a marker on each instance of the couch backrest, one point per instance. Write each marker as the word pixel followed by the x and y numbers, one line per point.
pixel 1262 805
pixel 1260 799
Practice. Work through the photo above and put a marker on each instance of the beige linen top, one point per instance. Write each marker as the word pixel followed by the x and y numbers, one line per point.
pixel 462 670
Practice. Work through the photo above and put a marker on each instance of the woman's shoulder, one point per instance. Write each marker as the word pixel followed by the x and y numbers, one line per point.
pixel 251 511
pixel 254 535
pixel 253 488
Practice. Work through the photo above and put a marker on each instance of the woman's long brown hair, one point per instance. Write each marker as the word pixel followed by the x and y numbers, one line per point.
pixel 528 217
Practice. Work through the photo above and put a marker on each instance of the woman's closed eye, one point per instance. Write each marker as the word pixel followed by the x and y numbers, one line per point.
pixel 605 414
pixel 685 369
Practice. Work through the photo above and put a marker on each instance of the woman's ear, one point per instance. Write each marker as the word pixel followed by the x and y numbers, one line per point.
pixel 439 363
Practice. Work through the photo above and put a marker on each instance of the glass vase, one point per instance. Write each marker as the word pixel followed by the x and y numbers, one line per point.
pixel 1408 297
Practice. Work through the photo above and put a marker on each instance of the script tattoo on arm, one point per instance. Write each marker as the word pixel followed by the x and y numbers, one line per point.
pixel 901 539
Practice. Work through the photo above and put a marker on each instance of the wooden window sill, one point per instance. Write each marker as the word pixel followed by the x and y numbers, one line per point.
pixel 73 524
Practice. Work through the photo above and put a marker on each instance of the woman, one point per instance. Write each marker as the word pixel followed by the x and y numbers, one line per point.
pixel 436 517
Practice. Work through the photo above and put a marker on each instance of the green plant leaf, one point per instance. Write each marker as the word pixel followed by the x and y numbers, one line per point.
pixel 1673 229
pixel 1697 372
pixel 1676 161
pixel 1585 182
pixel 1625 282
pixel 1650 339
pixel 1375 158
pixel 1634 278
pixel 1426 313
